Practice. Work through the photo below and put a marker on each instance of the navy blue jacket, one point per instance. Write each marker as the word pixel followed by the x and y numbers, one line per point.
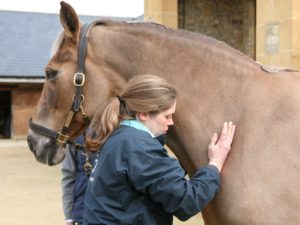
pixel 135 182
pixel 81 182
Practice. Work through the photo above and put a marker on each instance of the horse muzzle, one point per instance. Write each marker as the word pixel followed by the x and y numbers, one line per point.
pixel 46 150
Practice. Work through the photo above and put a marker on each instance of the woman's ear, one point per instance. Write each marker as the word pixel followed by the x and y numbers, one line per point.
pixel 142 116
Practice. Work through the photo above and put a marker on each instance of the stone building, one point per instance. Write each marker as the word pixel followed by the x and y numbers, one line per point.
pixel 25 44
pixel 266 30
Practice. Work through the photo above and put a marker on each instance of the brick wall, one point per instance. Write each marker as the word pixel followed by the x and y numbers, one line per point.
pixel 23 105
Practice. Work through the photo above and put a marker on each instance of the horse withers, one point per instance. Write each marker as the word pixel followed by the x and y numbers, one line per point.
pixel 215 83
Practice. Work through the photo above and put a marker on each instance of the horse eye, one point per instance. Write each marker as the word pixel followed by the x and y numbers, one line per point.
pixel 50 74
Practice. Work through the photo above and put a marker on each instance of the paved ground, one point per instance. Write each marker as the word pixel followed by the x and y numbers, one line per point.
pixel 30 192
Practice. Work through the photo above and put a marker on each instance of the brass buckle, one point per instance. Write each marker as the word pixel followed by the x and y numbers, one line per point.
pixel 62 138
pixel 82 80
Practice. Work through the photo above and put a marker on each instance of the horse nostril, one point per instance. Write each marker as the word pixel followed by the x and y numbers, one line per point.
pixel 30 143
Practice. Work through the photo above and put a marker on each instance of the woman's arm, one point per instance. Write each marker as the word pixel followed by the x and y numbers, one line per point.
pixel 68 170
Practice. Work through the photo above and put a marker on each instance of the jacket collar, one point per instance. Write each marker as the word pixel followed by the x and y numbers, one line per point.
pixel 137 125
pixel 140 126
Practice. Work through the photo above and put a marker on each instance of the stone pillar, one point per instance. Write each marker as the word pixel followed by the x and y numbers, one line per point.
pixel 278 33
pixel 161 11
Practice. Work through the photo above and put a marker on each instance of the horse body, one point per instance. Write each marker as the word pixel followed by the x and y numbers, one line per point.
pixel 215 83
pixel 259 181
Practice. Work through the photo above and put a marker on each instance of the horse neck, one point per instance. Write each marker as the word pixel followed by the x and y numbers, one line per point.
pixel 177 56
pixel 151 48
pixel 200 67
pixel 210 77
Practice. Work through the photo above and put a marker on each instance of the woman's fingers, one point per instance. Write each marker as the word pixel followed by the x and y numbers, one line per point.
pixel 219 148
pixel 232 132
pixel 224 134
pixel 229 127
pixel 225 129
pixel 214 139
pixel 227 134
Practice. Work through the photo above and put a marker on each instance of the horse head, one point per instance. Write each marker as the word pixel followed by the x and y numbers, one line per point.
pixel 75 86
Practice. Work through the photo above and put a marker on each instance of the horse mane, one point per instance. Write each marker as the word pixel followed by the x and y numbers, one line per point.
pixel 274 70
pixel 60 37
pixel 156 29
pixel 214 44
pixel 153 28
pixel 57 43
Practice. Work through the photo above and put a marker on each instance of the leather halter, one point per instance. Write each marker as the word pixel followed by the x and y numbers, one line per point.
pixel 78 81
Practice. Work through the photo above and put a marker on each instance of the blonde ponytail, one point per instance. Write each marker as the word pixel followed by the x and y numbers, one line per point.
pixel 104 122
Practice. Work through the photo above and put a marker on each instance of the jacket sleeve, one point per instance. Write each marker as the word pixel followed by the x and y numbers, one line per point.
pixel 161 177
pixel 68 170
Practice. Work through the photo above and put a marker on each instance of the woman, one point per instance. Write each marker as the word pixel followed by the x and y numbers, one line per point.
pixel 134 181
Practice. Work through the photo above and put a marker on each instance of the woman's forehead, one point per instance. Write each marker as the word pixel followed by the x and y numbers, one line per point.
pixel 171 110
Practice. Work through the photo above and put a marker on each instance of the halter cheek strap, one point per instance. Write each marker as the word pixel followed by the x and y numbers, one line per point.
pixel 78 82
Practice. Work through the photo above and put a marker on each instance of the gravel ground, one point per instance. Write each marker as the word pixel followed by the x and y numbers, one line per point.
pixel 30 191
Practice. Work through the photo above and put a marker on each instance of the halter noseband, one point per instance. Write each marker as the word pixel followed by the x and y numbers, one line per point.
pixel 78 82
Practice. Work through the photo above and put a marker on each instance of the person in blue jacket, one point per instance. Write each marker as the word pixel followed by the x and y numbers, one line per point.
pixel 134 181
pixel 76 169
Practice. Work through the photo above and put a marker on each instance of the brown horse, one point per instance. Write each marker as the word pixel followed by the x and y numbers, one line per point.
pixel 215 83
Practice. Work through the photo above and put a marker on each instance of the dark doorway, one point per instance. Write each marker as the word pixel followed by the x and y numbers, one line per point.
pixel 5 114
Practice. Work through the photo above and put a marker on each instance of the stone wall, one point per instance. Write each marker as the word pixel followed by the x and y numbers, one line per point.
pixel 230 21
pixel 161 11
pixel 278 33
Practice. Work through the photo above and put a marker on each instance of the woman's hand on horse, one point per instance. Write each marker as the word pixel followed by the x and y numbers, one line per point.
pixel 218 149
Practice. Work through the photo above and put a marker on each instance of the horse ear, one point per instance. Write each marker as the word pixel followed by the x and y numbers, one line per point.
pixel 69 20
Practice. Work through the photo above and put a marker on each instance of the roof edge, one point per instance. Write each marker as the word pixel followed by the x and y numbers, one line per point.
pixel 22 80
